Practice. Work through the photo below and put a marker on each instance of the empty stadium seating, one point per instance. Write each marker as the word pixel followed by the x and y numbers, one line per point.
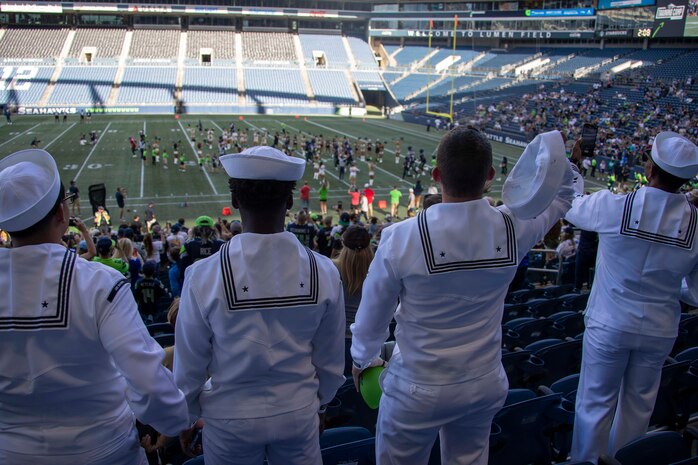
pixel 209 85
pixel 331 45
pixel 410 54
pixel 363 55
pixel 155 44
pixel 78 85
pixel 32 43
pixel 25 92
pixel 330 86
pixel 148 85
pixel 274 86
pixel 268 46
pixel 222 44
pixel 107 42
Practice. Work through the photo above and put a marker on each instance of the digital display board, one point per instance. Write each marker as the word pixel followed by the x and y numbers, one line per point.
pixel 613 4
pixel 643 33
pixel 669 18
pixel 691 29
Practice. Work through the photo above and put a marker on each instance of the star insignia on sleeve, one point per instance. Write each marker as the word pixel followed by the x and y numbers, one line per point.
pixel 302 284
pixel 443 254
pixel 679 231
pixel 44 304
pixel 499 249
pixel 637 222
pixel 245 288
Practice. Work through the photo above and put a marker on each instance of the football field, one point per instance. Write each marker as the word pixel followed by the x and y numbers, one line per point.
pixel 199 191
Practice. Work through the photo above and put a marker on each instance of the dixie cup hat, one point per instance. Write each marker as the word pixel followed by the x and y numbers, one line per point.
pixel 29 188
pixel 263 163
pixel 537 176
pixel 675 154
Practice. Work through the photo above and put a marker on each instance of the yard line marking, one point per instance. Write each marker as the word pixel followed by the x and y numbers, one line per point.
pixel 193 148
pixel 84 163
pixel 19 135
pixel 145 134
pixel 59 136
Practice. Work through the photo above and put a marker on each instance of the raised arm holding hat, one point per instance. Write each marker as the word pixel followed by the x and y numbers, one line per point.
pixel 264 320
pixel 646 247
pixel 77 361
pixel 445 376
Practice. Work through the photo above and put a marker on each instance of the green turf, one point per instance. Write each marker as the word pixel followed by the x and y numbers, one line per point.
pixel 110 161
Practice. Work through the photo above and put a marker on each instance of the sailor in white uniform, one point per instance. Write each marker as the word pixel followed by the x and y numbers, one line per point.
pixel 264 319
pixel 450 267
pixel 647 245
pixel 78 366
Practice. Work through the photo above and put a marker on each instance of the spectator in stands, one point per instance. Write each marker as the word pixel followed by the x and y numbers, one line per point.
pixel 148 292
pixel 202 245
pixel 275 363
pixel 105 256
pixel 353 262
pixel 73 345
pixel 304 231
pixel 152 248
pixel 324 238
pixel 174 275
pixel 150 217
pixel 458 396
pixel 646 248
pixel 337 231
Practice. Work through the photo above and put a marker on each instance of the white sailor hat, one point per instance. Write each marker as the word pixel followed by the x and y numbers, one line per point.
pixel 263 162
pixel 537 176
pixel 29 188
pixel 675 154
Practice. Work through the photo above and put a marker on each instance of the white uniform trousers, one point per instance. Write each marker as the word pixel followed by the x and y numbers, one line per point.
pixel 288 439
pixel 411 415
pixel 617 389
pixel 124 450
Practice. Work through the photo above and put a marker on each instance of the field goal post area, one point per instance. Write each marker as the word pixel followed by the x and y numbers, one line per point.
pixel 452 67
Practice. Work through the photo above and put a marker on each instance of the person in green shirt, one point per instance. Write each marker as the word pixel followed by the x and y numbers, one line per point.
pixel 105 247
pixel 395 195
pixel 165 156
pixel 322 195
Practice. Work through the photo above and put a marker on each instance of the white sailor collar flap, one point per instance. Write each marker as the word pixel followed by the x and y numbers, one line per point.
pixel 272 282
pixel 669 220
pixel 453 249
pixel 51 309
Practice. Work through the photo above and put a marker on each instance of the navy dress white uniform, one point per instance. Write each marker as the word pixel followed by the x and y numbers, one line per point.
pixel 78 366
pixel 264 319
pixel 450 267
pixel 647 245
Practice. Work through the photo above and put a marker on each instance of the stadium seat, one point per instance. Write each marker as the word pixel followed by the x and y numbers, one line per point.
pixel 566 386
pixel 658 448
pixel 514 396
pixel 671 395
pixel 165 340
pixel 544 307
pixel 531 330
pixel 513 311
pixel 360 452
pixel 553 292
pixel 521 432
pixel 575 302
pixel 570 323
pixel 541 344
pixel 336 436
pixel 559 360
pixel 688 355
pixel 688 333
pixel 156 329
pixel 523 295
pixel 520 366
